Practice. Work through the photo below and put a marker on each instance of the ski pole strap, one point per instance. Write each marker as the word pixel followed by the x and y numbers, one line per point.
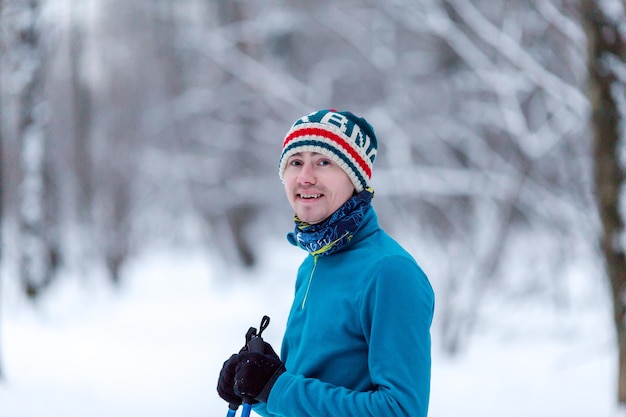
pixel 252 333
pixel 265 321
pixel 254 341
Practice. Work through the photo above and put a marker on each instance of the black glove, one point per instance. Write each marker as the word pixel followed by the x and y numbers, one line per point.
pixel 226 381
pixel 257 372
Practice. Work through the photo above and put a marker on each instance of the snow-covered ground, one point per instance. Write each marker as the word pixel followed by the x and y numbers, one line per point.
pixel 155 346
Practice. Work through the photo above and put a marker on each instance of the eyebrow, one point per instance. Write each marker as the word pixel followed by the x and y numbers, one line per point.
pixel 300 153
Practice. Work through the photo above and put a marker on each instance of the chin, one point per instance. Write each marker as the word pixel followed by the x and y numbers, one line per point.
pixel 309 219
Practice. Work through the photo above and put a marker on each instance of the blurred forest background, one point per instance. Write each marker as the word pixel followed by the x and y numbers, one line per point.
pixel 130 124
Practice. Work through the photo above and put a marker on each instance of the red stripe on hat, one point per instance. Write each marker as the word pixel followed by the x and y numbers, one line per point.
pixel 338 140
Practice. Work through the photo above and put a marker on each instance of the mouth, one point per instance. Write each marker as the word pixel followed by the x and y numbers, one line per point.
pixel 310 196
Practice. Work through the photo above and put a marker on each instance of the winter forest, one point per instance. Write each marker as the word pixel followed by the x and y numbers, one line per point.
pixel 128 127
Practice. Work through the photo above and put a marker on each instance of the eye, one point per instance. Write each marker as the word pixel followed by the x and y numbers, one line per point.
pixel 324 162
pixel 294 162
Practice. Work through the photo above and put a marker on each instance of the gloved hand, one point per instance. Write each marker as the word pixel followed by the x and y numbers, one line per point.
pixel 256 373
pixel 226 382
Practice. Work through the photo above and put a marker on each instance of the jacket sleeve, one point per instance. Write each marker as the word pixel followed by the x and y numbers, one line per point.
pixel 396 310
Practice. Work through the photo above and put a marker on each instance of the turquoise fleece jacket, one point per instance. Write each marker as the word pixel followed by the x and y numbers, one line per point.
pixel 357 341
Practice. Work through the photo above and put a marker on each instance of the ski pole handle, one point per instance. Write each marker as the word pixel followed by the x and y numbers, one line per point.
pixel 254 343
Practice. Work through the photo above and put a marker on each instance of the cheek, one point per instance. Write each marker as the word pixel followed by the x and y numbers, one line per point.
pixel 348 188
pixel 288 187
pixel 344 193
pixel 287 180
pixel 349 191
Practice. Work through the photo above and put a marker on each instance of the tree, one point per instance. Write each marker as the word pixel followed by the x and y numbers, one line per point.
pixel 492 157
pixel 607 93
pixel 81 117
pixel 2 185
pixel 39 251
pixel 179 106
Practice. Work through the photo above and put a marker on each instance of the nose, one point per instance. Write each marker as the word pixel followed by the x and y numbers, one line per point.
pixel 307 174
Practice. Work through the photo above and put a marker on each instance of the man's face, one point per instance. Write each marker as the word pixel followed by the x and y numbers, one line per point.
pixel 315 186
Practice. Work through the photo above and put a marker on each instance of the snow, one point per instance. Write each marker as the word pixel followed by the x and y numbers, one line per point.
pixel 154 347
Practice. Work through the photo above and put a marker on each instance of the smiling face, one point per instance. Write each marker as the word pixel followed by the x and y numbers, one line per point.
pixel 315 186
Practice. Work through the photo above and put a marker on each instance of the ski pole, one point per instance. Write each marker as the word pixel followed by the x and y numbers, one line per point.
pixel 246 410
pixel 232 410
pixel 254 343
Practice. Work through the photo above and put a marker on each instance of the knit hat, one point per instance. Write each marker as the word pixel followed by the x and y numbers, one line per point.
pixel 346 139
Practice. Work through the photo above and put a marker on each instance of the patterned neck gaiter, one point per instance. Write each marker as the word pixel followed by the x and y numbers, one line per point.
pixel 336 231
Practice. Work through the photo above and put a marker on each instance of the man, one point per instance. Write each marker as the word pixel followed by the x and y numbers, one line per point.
pixel 357 341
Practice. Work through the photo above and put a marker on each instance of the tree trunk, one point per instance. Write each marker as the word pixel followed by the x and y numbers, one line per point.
pixel 82 118
pixel 2 183
pixel 607 94
pixel 33 262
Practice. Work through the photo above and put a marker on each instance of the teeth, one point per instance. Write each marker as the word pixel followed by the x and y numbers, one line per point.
pixel 310 195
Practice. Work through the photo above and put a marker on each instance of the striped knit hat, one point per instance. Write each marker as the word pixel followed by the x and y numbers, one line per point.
pixel 346 139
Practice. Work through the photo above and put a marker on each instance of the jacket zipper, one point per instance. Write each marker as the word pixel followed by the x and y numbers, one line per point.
pixel 306 294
